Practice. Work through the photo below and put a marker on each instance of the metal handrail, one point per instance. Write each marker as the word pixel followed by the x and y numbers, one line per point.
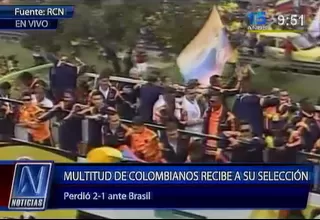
pixel 160 127
pixel 155 126
pixel 125 80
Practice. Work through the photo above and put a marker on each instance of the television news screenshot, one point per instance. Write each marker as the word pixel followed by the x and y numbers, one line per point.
pixel 159 109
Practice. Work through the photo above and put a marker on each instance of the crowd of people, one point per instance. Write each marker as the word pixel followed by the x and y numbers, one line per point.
pixel 158 121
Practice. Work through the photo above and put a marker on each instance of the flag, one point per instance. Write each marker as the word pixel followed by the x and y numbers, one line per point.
pixel 207 53
pixel 314 28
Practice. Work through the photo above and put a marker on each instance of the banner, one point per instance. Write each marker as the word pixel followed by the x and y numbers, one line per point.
pixel 30 152
pixel 151 186
pixel 36 152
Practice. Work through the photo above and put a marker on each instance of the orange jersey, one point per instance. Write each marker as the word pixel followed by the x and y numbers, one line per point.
pixel 146 146
pixel 269 111
pixel 27 113
pixel 214 123
pixel 40 131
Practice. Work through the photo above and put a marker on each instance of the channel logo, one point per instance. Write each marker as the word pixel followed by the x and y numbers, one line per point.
pixel 257 20
pixel 30 186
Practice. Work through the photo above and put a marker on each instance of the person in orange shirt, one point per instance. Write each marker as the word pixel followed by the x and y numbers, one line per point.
pixel 28 113
pixel 144 142
pixel 27 110
pixel 40 131
pixel 216 120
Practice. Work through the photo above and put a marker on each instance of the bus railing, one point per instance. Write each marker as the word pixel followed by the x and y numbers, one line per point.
pixel 160 127
pixel 22 134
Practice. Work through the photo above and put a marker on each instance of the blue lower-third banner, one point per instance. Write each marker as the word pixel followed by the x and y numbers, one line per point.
pixel 183 196
pixel 40 185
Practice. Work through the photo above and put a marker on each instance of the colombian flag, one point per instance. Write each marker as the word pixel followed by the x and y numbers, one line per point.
pixel 207 53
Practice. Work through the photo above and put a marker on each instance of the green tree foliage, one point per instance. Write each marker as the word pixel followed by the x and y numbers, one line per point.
pixel 174 24
pixel 78 26
pixel 123 22
pixel 113 23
